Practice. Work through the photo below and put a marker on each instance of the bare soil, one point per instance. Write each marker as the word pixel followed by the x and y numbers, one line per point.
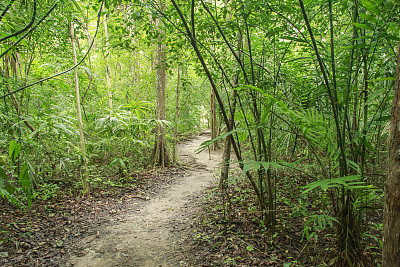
pixel 150 233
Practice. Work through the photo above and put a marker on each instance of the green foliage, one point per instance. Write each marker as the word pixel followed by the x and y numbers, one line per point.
pixel 46 191
pixel 138 108
pixel 347 183
pixel 118 162
pixel 288 118
pixel 7 190
pixel 11 189
pixel 317 223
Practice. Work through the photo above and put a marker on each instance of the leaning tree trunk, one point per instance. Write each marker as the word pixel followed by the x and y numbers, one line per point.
pixel 391 223
pixel 160 155
pixel 83 167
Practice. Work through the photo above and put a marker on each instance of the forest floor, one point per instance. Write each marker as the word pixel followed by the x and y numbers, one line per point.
pixel 151 233
pixel 170 217
pixel 144 226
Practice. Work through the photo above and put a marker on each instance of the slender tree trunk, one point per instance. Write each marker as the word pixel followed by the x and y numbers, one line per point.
pixel 174 153
pixel 391 223
pixel 160 155
pixel 214 133
pixel 109 92
pixel 83 167
pixel 217 96
pixel 223 182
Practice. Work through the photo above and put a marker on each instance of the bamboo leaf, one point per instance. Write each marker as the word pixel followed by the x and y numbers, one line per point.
pixel 325 184
pixel 25 181
pixel 206 144
pixel 371 7
pixel 246 168
pixel 363 26
pixel 368 17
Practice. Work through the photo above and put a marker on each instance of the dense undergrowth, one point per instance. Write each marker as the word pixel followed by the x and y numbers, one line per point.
pixel 304 88
pixel 232 234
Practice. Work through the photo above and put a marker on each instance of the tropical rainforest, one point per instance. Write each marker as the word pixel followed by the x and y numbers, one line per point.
pixel 301 98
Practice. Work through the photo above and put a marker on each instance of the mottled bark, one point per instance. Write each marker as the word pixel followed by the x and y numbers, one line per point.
pixel 391 224
pixel 160 155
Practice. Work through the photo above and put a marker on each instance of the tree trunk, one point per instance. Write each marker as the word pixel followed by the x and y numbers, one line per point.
pixel 223 182
pixel 160 155
pixel 391 224
pixel 174 152
pixel 83 167
pixel 109 92
pixel 214 133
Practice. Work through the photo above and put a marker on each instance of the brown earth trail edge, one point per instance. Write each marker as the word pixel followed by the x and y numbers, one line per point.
pixel 150 234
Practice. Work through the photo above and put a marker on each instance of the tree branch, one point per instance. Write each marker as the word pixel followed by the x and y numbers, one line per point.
pixel 63 72
pixel 25 28
pixel 5 10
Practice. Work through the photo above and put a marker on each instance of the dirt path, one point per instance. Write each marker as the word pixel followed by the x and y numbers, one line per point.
pixel 149 235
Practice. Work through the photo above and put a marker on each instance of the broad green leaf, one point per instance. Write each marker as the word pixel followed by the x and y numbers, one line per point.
pixel 24 177
pixel 11 148
pixel 363 26
pixel 368 17
pixel 370 6
pixel 256 165
pixel 14 150
pixel 248 165
pixel 325 184
pixel 267 111
pixel 206 144
pixel 277 165
pixel 25 181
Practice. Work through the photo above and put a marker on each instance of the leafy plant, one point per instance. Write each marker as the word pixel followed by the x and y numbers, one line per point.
pixel 8 188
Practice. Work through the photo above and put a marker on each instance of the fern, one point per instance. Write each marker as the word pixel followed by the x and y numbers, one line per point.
pixel 347 182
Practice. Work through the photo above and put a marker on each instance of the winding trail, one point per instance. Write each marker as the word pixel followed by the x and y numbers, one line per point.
pixel 149 235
